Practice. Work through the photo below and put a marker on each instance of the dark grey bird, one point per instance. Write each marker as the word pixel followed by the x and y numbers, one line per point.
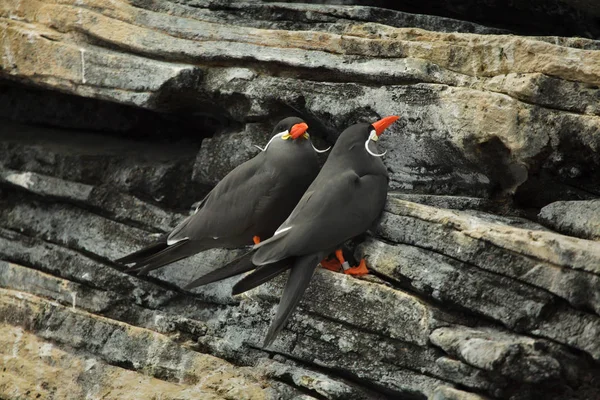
pixel 245 206
pixel 343 201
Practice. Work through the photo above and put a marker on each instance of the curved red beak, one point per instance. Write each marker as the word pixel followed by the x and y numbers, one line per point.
pixel 382 124
pixel 298 130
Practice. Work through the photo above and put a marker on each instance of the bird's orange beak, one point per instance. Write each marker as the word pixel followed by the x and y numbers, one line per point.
pixel 382 124
pixel 298 130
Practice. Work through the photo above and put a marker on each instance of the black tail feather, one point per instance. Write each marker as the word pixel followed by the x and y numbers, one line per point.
pixel 296 285
pixel 262 274
pixel 170 254
pixel 239 265
pixel 144 253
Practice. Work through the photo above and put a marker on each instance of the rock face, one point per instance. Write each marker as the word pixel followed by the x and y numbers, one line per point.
pixel 142 106
pixel 482 114
pixel 576 218
pixel 533 17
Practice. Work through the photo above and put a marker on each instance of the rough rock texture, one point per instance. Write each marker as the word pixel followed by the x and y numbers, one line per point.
pixel 482 114
pixel 462 304
pixel 59 351
pixel 576 218
pixel 146 104
pixel 533 17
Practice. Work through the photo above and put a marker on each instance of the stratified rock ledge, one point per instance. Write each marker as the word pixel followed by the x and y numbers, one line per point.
pixel 144 105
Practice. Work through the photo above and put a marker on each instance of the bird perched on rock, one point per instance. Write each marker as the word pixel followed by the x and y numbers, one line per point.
pixel 245 206
pixel 343 201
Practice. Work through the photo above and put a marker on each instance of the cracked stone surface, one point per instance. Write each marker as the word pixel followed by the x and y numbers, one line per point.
pixel 116 118
pixel 460 303
pixel 483 114
pixel 575 218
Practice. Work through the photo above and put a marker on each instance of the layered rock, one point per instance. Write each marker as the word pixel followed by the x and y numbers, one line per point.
pixel 482 114
pixel 576 218
pixel 467 298
pixel 459 301
pixel 534 17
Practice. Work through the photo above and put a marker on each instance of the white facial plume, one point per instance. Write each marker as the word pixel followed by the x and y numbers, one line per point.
pixel 373 136
pixel 280 134
pixel 283 134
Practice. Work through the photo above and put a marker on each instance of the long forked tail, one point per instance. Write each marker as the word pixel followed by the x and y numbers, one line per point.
pixel 296 285
pixel 146 252
pixel 169 254
pixel 262 274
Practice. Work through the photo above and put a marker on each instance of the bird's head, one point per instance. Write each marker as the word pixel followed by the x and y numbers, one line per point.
pixel 292 129
pixel 376 129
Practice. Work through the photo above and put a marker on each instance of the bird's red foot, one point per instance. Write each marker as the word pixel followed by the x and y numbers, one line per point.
pixel 338 264
pixel 359 270
pixel 256 239
pixel 332 265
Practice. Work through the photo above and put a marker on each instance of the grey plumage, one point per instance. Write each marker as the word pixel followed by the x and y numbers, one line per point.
pixel 342 202
pixel 252 200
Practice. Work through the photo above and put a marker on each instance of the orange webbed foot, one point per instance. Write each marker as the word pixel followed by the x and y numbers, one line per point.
pixel 256 239
pixel 360 270
pixel 332 265
pixel 339 264
pixel 335 264
pixel 339 254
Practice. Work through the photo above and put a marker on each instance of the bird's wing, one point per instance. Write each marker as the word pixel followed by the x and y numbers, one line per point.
pixel 329 213
pixel 229 209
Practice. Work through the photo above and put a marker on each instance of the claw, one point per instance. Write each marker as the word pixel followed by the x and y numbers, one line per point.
pixel 331 264
pixel 339 263
pixel 256 239
pixel 339 254
pixel 360 270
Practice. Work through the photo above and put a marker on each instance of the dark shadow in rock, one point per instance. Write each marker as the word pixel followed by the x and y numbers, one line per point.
pixel 494 159
pixel 151 171
pixel 183 95
pixel 39 106
pixel 533 17
pixel 566 170
pixel 296 17
pixel 544 188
